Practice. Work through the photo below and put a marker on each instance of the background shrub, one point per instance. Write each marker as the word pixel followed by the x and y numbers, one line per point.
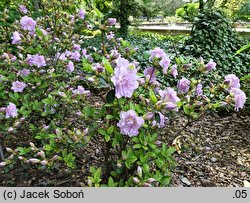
pixel 213 37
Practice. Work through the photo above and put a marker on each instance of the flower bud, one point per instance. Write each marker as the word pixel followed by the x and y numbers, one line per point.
pixel 136 180
pixel 139 171
pixel 147 185
pixel 10 129
pixel 85 132
pixel 149 116
pixel 9 150
pixel 151 180
pixel 55 157
pixel 41 154
pixel 2 164
pixel 32 144
pixel 34 161
pixel 21 158
pixel 44 162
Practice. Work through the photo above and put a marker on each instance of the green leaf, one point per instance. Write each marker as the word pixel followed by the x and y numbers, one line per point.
pixel 107 66
pixel 110 130
pixel 130 160
pixel 97 175
pixel 110 96
pixel 243 49
pixel 187 109
pixel 107 138
pixel 152 96
pixel 102 132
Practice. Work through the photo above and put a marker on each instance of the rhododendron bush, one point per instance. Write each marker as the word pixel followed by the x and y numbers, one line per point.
pixel 48 81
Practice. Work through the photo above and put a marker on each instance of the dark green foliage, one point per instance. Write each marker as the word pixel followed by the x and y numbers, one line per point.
pixel 213 37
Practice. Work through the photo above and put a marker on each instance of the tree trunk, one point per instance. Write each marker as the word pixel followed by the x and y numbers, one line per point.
pixel 124 17
pixel 201 7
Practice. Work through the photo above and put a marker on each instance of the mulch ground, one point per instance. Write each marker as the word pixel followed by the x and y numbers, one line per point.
pixel 214 151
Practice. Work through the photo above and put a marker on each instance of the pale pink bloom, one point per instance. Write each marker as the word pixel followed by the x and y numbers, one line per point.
pixel 70 67
pixel 11 110
pixel 28 23
pixel 81 91
pixel 169 96
pixel 157 53
pixel 37 60
pixel 110 36
pixel 82 14
pixel 239 98
pixel 111 21
pixel 183 85
pixel 77 47
pixel 18 86
pixel 130 123
pixel 16 38
pixel 164 63
pixel 198 90
pixel 150 75
pixel 125 79
pixel 24 72
pixel 173 71
pixel 23 9
pixel 210 65
pixel 232 80
pixel 75 56
pixel 162 121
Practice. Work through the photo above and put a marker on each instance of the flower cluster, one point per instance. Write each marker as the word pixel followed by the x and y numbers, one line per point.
pixel 233 83
pixel 28 23
pixel 37 60
pixel 130 123
pixel 169 98
pixel 125 78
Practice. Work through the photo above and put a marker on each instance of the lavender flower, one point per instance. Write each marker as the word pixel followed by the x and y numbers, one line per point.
pixel 164 63
pixel 149 74
pixel 210 65
pixel 239 98
pixel 77 47
pixel 11 110
pixel 81 14
pixel 70 67
pixel 98 67
pixel 232 80
pixel 169 96
pixel 16 39
pixel 130 123
pixel 183 85
pixel 124 79
pixel 157 53
pixel 23 9
pixel 81 91
pixel 18 86
pixel 28 23
pixel 37 60
pixel 173 71
pixel 23 72
pixel 198 90
pixel 110 36
pixel 111 21
pixel 162 121
pixel 75 56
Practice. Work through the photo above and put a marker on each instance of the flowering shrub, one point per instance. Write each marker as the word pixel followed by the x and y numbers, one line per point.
pixel 47 81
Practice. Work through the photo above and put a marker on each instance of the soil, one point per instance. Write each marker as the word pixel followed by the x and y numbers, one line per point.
pixel 214 151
